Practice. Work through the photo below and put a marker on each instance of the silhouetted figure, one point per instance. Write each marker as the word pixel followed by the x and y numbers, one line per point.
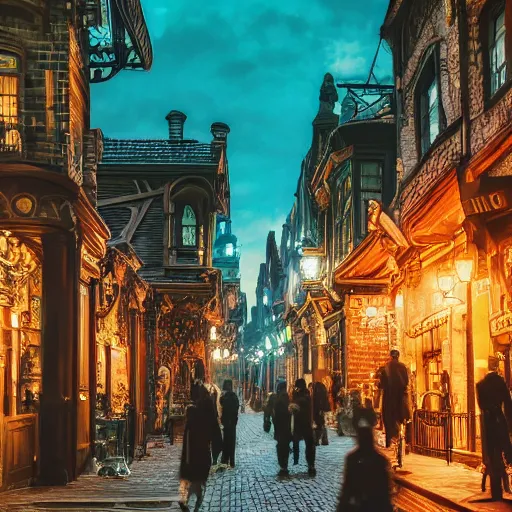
pixel 321 405
pixel 494 397
pixel 366 484
pixel 230 404
pixel 282 427
pixel 201 429
pixel 394 380
pixel 303 424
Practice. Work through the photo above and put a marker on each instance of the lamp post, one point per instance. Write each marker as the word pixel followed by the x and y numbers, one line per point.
pixel 464 269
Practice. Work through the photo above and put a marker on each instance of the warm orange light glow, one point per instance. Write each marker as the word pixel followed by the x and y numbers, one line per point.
pixel 446 282
pixel 14 321
pixel 216 354
pixel 371 312
pixel 464 269
pixel 399 300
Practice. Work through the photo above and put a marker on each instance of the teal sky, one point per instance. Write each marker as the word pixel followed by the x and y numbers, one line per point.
pixel 256 65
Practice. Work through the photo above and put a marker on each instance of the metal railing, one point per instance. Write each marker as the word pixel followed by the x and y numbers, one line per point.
pixel 438 433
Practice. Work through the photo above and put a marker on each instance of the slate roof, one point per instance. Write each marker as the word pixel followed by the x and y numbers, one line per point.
pixel 156 151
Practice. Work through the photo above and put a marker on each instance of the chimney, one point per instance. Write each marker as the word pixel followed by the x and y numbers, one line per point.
pixel 220 132
pixel 176 121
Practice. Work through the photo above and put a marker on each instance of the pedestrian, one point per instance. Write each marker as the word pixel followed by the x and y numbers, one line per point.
pixel 268 412
pixel 301 409
pixel 282 427
pixel 320 407
pixel 496 407
pixel 366 484
pixel 394 380
pixel 229 419
pixel 201 428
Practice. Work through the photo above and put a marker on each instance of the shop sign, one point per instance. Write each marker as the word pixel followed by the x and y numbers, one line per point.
pixel 501 323
pixel 485 203
pixel 429 323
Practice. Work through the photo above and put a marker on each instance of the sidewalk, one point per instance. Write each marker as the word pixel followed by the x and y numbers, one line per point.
pixel 452 487
pixel 153 483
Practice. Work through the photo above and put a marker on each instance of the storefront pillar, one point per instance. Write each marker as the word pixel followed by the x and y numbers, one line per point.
pixel 58 400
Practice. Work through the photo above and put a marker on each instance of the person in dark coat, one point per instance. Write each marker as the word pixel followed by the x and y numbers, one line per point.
pixel 282 427
pixel 366 484
pixel 230 405
pixel 321 405
pixel 303 424
pixel 496 407
pixel 394 380
pixel 201 429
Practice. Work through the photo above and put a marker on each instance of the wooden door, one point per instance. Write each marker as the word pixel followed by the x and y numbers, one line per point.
pixel 20 450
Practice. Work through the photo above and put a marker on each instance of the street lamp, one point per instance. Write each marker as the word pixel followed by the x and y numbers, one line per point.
pixel 309 266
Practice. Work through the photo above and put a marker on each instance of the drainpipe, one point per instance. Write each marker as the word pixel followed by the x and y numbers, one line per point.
pixel 462 20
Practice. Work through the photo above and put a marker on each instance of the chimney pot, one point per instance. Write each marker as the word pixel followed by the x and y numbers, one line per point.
pixel 220 132
pixel 176 120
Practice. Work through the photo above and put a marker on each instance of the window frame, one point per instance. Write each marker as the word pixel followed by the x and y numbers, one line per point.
pixel 17 74
pixel 488 16
pixel 429 75
pixel 363 203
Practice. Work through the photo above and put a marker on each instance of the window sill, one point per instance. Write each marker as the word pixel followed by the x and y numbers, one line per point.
pixel 439 140
pixel 491 101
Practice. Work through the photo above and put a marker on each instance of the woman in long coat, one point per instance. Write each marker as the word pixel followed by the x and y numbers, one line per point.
pixel 201 430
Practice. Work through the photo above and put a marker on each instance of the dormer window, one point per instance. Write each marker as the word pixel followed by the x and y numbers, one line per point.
pixel 189 227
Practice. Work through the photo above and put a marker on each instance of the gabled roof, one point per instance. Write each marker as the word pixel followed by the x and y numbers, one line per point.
pixel 157 151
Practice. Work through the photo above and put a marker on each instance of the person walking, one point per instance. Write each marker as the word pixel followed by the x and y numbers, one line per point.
pixel 302 424
pixel 496 419
pixel 229 419
pixel 282 427
pixel 394 380
pixel 201 429
pixel 321 405
pixel 366 482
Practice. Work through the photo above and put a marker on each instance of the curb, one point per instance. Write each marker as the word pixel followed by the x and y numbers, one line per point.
pixel 431 496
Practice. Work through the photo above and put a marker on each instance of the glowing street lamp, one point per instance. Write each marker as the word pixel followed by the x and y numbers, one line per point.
pixel 310 267
pixel 260 353
pixel 464 269
pixel 445 281
pixel 226 353
pixel 268 343
pixel 216 354
pixel 213 333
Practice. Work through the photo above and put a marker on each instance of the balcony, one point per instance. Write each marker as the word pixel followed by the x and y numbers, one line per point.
pixel 10 139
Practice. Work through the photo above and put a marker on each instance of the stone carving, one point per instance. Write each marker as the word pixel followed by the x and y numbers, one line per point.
pixel 328 94
pixel 17 263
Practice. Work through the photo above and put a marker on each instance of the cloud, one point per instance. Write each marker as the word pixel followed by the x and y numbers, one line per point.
pixel 256 65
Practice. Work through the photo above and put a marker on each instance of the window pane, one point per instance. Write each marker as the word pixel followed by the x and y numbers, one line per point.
pixel 497 56
pixel 433 121
pixel 189 236
pixel 189 217
pixel 432 94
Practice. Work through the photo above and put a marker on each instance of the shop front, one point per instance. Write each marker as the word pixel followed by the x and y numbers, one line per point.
pixel 50 242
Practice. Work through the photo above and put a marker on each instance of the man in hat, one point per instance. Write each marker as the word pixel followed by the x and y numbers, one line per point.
pixel 496 406
pixel 394 380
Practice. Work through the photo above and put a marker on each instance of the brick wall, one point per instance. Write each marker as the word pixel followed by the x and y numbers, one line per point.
pixel 367 339
pixel 43 42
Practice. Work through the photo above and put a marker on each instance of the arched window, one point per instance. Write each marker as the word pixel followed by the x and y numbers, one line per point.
pixel 189 227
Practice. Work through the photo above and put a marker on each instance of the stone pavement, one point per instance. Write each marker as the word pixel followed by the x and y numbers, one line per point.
pixel 424 484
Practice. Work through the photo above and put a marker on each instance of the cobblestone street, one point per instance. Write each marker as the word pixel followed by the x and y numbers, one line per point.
pixel 252 485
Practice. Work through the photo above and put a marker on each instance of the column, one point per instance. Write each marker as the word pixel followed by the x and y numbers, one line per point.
pixel 59 359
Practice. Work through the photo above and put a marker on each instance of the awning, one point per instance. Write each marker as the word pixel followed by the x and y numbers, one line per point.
pixel 321 302
pixel 437 216
pixel 375 260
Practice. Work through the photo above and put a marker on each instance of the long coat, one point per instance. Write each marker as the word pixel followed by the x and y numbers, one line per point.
pixel 394 381
pixel 493 396
pixel 201 430
pixel 366 485
pixel 282 418
pixel 303 418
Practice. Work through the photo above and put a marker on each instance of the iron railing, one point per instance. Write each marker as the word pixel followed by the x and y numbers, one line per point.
pixel 438 433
